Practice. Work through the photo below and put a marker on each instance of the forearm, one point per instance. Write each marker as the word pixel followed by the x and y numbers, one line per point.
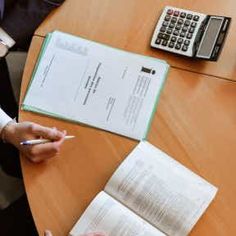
pixel 21 21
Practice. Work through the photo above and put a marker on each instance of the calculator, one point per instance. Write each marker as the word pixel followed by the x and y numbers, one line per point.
pixel 190 33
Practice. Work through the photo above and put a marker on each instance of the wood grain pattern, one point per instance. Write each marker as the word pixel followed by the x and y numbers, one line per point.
pixel 129 25
pixel 195 123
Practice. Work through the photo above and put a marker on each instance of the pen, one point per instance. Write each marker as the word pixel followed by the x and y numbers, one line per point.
pixel 41 141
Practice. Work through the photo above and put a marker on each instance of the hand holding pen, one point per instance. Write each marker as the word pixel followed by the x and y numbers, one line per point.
pixel 42 141
pixel 17 133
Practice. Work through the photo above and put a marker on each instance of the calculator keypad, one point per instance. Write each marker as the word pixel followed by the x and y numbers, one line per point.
pixel 176 30
pixel 181 28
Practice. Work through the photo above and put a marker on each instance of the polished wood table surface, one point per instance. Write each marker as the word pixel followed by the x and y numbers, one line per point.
pixel 129 25
pixel 195 120
pixel 194 123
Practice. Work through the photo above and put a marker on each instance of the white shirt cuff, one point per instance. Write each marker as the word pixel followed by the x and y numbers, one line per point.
pixel 6 38
pixel 4 119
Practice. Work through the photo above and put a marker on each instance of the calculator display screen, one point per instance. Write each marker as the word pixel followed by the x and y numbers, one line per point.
pixel 209 38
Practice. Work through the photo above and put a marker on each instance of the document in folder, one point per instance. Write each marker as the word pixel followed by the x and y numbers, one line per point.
pixel 83 81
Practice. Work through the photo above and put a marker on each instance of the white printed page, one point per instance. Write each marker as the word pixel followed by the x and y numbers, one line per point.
pixel 159 189
pixel 108 216
pixel 88 82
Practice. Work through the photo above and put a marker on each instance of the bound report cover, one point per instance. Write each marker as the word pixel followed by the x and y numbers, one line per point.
pixel 83 81
pixel 150 194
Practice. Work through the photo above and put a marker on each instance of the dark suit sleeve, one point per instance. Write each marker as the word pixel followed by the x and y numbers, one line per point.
pixel 24 17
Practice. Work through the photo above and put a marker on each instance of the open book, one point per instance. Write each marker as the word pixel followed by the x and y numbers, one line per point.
pixel 150 194
pixel 83 81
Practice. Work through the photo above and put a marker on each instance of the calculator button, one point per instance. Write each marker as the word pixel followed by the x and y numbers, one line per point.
pixel 186 42
pixel 158 41
pixel 160 36
pixel 164 43
pixel 163 29
pixel 173 19
pixel 176 13
pixel 196 18
pixel 170 12
pixel 167 18
pixel 173 39
pixel 182 34
pixel 189 16
pixel 169 31
pixel 191 30
pixel 187 23
pixel 184 29
pixel 177 46
pixel 182 14
pixel 193 24
pixel 165 23
pixel 189 36
pixel 178 27
pixel 180 40
pixel 166 36
pixel 176 33
pixel 180 21
pixel 171 45
pixel 185 48
pixel 171 25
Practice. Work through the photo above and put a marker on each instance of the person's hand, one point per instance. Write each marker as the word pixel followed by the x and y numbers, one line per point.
pixel 48 233
pixel 93 234
pixel 15 133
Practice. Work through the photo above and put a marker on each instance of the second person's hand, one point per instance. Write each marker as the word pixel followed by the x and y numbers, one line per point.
pixel 48 233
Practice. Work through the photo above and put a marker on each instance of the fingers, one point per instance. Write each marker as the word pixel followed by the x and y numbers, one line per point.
pixel 94 234
pixel 41 152
pixel 47 233
pixel 45 132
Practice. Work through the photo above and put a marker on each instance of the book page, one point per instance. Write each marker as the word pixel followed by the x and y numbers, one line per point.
pixel 161 190
pixel 84 81
pixel 108 216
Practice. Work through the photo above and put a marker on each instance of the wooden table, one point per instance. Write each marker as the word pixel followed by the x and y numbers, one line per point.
pixel 129 25
pixel 195 123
